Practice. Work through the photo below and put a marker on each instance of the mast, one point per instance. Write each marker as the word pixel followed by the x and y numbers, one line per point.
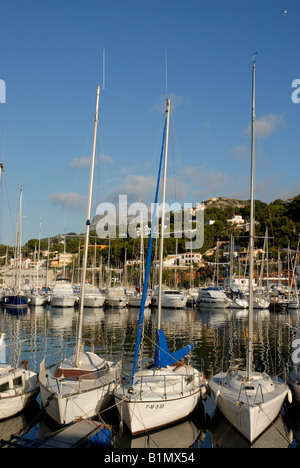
pixel 251 245
pixel 87 232
pixel 1 169
pixel 19 245
pixel 161 247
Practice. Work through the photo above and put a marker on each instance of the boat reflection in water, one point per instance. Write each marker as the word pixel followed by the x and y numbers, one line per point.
pixel 216 333
pixel 15 310
pixel 21 423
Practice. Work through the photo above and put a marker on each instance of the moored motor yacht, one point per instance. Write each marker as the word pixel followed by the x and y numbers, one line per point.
pixel 63 294
pixel 170 298
pixel 116 298
pixel 212 298
pixel 93 297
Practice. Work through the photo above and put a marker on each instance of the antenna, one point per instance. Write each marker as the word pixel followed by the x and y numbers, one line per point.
pixel 103 64
pixel 166 72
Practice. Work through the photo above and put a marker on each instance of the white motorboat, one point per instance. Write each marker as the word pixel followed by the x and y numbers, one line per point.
pixel 18 387
pixel 171 389
pixel 212 298
pixel 37 298
pixel 170 298
pixel 63 294
pixel 93 297
pixel 116 298
pixel 81 385
pixel 136 300
pixel 249 400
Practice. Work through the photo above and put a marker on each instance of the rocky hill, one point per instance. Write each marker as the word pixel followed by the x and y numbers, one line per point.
pixel 222 203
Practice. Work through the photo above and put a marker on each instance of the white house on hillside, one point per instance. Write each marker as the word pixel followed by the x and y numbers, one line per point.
pixel 182 260
pixel 237 219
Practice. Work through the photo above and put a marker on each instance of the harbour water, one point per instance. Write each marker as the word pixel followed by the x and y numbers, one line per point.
pixel 219 338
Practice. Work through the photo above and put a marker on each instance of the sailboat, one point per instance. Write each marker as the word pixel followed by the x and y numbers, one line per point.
pixel 293 296
pixel 36 296
pixel 79 386
pixel 17 298
pixel 293 369
pixel 135 300
pixel 249 400
pixel 169 390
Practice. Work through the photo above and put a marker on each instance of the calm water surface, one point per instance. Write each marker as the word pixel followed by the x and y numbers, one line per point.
pixel 219 338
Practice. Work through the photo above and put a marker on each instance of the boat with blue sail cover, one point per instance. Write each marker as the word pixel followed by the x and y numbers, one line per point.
pixel 171 388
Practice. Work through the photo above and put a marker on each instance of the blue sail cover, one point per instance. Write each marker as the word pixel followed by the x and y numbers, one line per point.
pixel 148 265
pixel 163 357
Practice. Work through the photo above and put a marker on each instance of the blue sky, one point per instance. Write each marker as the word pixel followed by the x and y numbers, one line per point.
pixel 51 63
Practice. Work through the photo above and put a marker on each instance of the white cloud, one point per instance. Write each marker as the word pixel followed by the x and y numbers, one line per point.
pixel 136 187
pixel 70 201
pixel 266 125
pixel 142 188
pixel 205 182
pixel 240 152
pixel 208 181
pixel 86 161
pixel 176 101
pixel 105 159
pixel 81 162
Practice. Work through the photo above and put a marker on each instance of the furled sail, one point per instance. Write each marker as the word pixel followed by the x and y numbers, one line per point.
pixel 163 357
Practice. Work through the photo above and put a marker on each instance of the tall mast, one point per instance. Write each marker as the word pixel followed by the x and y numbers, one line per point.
pixel 251 244
pixel 1 169
pixel 161 247
pixel 19 244
pixel 87 232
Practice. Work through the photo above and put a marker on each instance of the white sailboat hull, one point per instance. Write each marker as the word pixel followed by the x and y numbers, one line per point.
pixel 253 413
pixel 143 416
pixel 38 300
pixel 238 304
pixel 64 410
pixel 162 400
pixel 261 303
pixel 70 398
pixel 293 381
